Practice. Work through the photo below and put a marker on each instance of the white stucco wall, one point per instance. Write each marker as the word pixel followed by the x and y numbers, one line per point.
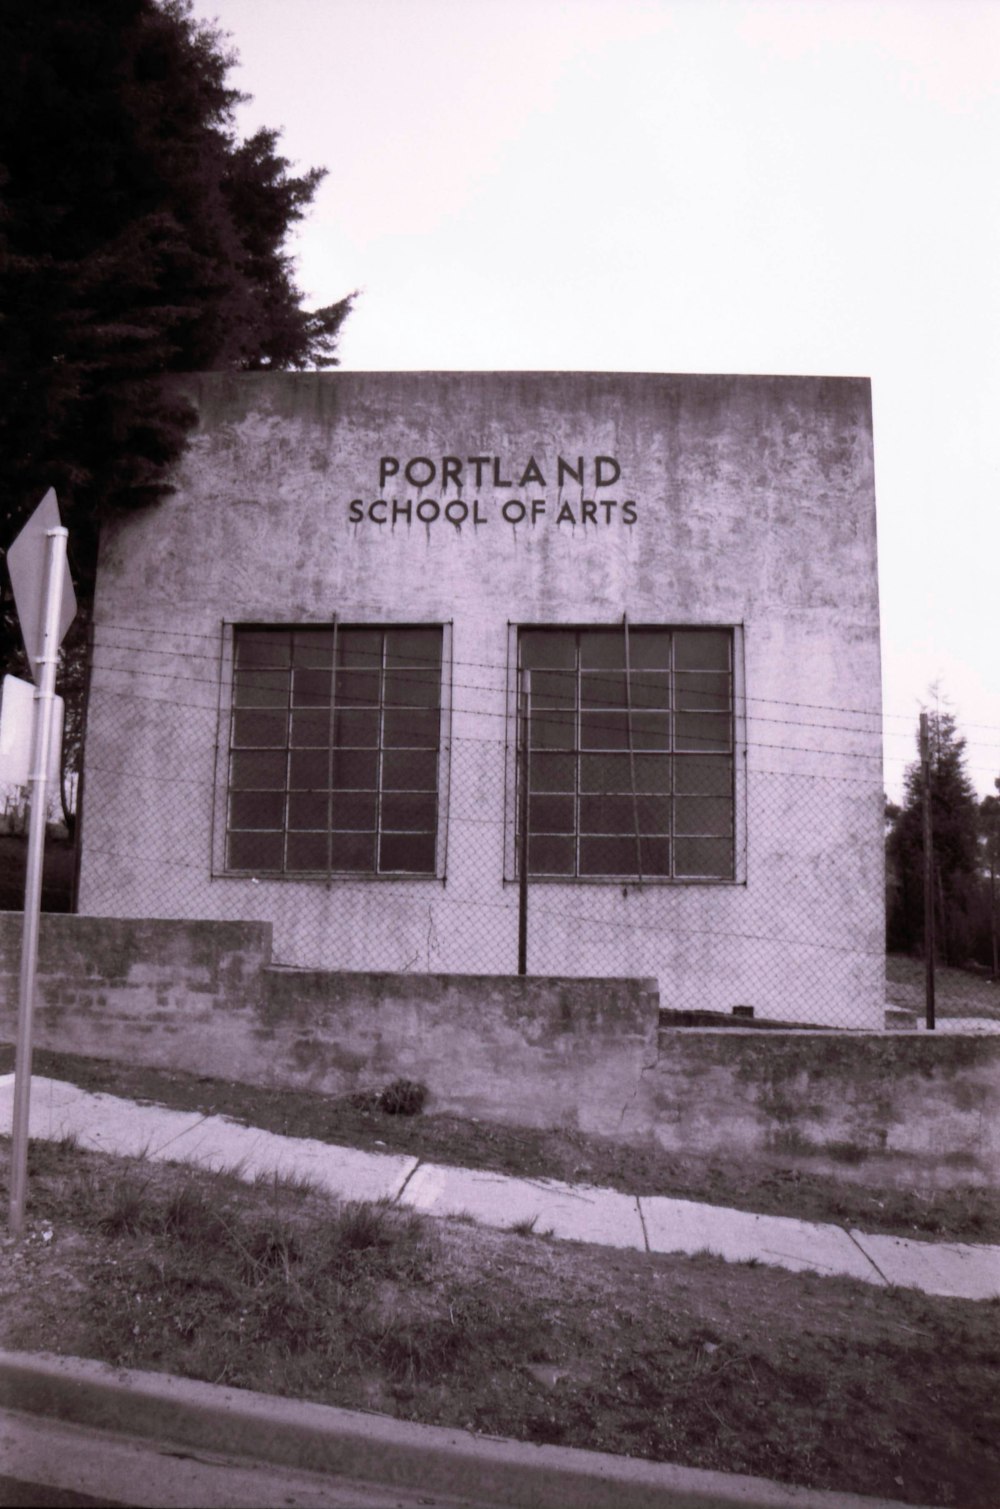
pixel 752 506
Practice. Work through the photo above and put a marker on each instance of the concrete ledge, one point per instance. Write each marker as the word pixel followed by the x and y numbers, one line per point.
pixel 377 1449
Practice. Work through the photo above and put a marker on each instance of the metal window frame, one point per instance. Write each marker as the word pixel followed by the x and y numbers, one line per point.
pixel 738 750
pixel 329 875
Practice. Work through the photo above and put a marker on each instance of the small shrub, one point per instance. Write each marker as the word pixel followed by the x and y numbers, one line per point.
pixel 129 1209
pixel 189 1214
pixel 404 1097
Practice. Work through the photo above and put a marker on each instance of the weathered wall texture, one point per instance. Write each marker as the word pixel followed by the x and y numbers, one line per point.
pixel 753 506
pixel 899 1107
pixel 199 997
pixel 910 1108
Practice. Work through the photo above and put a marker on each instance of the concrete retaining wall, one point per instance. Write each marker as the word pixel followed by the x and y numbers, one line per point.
pixel 578 1053
pixel 201 997
pixel 901 1107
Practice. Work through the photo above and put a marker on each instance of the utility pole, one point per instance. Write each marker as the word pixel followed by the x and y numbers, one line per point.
pixel 925 772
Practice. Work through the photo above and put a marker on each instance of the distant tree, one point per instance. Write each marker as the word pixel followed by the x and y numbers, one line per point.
pixel 138 237
pixel 955 824
pixel 989 820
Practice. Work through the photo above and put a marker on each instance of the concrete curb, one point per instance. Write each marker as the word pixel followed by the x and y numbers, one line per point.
pixel 377 1449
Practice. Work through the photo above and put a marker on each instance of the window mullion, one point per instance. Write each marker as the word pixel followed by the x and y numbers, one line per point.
pixel 672 750
pixel 631 746
pixel 577 756
pixel 289 687
pixel 331 756
pixel 380 752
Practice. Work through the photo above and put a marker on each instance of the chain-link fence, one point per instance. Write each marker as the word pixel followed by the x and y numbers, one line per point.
pixel 580 806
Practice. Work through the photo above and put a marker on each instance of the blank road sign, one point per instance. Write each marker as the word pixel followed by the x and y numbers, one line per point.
pixel 26 564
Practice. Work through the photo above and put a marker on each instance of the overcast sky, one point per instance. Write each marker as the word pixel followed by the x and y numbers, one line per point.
pixel 781 186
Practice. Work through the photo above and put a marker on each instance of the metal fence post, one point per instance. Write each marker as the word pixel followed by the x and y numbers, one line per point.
pixel 524 692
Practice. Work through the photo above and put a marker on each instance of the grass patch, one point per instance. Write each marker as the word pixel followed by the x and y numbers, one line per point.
pixel 960 1212
pixel 821 1382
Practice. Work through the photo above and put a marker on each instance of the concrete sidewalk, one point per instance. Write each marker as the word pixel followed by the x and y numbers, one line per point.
pixel 569 1212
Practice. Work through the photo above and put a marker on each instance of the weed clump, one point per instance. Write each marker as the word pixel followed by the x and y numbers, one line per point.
pixel 404 1097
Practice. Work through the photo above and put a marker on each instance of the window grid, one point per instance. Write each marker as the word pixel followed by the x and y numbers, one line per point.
pixel 336 715
pixel 652 767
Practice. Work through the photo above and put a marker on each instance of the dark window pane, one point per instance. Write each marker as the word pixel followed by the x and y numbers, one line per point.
pixel 614 772
pixel 260 648
pixel 306 851
pixel 602 649
pixel 310 688
pixel 650 689
pixel 654 815
pixel 709 858
pixel 308 809
pixel 255 728
pixel 406 812
pixel 257 809
pixel 407 853
pixel 608 856
pixel 356 727
pixel 550 855
pixel 650 731
pixel 653 772
pixel 599 689
pixel 354 810
pixel 263 772
pixel 551 728
pixel 708 731
pixel 413 647
pixel 709 816
pixel 551 814
pixel 605 772
pixel 413 688
pixel 655 856
pixel 603 729
pixel 607 814
pixel 649 649
pixel 361 648
pixel 311 728
pixel 357 688
pixel 409 770
pixel 260 689
pixel 703 691
pixel 309 770
pixel 355 768
pixel 710 775
pixel 551 772
pixel 414 727
pixel 622 815
pixel 354 852
pixel 313 647
pixel 702 649
pixel 547 648
pixel 255 851
pixel 553 688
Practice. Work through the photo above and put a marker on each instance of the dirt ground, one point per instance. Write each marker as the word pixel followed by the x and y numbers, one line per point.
pixel 961 1212
pixel 957 992
pixel 822 1382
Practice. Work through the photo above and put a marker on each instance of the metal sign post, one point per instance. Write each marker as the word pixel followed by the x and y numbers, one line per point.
pixel 42 636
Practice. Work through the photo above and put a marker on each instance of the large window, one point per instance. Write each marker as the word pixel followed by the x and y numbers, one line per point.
pixel 334 750
pixel 629 752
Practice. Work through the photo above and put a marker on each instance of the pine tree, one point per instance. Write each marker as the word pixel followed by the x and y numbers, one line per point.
pixel 138 237
pixel 955 840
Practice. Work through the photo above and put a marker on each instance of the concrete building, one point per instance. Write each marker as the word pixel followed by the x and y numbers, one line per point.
pixel 316 663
